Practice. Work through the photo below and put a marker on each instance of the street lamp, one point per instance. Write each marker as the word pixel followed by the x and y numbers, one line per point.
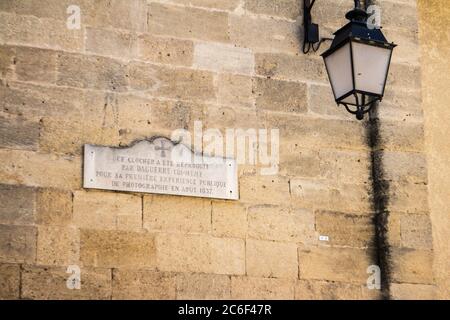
pixel 357 63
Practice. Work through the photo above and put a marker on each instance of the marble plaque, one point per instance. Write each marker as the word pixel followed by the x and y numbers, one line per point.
pixel 160 166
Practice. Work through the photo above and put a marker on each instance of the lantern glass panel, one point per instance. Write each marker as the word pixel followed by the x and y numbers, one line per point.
pixel 371 65
pixel 339 69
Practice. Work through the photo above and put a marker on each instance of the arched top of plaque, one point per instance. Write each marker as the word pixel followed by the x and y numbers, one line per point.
pixel 159 165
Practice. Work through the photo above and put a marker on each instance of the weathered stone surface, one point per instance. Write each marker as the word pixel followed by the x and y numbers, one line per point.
pixel 264 190
pixel 112 249
pixel 165 50
pixel 408 197
pixel 200 253
pixel 179 114
pixel 97 125
pixel 61 136
pixel 407 137
pixel 18 133
pixel 57 246
pixel 394 229
pixel 171 83
pixel 53 8
pixel 53 207
pixel 345 229
pixel 270 259
pixel 345 166
pixel 33 169
pixel 120 44
pixel 42 283
pixel 17 244
pixel 332 13
pixel 412 266
pixel 242 121
pixel 276 95
pixel 229 219
pixel 140 117
pixel 224 58
pixel 406 291
pixel 34 101
pixel 405 167
pixel 116 13
pixel 298 161
pixel 290 67
pixel 162 213
pixel 325 194
pixel 17 204
pixel 9 281
pixel 320 133
pixel 416 231
pixel 281 224
pixel 279 35
pixel 334 264
pixel 401 104
pixel 405 76
pixel 408 19
pixel 142 284
pixel 94 72
pixel 243 288
pixel 235 90
pixel 408 48
pixel 108 211
pixel 134 116
pixel 285 8
pixel 101 13
pixel 32 31
pixel 198 286
pixel 328 290
pixel 165 20
pixel 434 52
pixel 7 56
pixel 32 64
pixel 213 4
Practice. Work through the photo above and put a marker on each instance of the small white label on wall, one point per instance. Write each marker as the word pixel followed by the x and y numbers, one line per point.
pixel 324 238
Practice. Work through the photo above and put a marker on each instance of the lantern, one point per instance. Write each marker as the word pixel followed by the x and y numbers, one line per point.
pixel 357 63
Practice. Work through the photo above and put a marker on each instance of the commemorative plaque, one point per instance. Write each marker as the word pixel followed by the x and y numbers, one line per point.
pixel 160 166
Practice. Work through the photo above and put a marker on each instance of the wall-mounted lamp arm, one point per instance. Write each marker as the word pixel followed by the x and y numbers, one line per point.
pixel 311 30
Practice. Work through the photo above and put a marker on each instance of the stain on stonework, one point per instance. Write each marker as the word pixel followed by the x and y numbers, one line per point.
pixel 182 113
pixel 379 202
pixel 110 110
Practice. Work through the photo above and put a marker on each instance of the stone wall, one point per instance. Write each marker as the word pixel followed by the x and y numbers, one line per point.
pixel 141 68
pixel 435 48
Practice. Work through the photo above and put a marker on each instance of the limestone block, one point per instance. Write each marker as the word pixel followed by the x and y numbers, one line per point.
pixel 111 249
pixel 164 213
pixel 17 204
pixel 271 259
pixel 18 244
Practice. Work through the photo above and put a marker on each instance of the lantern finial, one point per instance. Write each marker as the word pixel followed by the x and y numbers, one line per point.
pixel 357 14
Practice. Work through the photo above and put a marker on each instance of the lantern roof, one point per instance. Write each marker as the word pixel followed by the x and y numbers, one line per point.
pixel 357 30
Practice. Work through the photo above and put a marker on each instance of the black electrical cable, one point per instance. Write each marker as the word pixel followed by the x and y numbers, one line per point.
pixel 315 49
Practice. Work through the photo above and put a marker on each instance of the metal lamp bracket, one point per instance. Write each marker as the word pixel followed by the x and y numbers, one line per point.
pixel 311 29
pixel 311 37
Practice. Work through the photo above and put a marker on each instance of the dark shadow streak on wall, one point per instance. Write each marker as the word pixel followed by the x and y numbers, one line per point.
pixel 379 197
pixel 380 201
